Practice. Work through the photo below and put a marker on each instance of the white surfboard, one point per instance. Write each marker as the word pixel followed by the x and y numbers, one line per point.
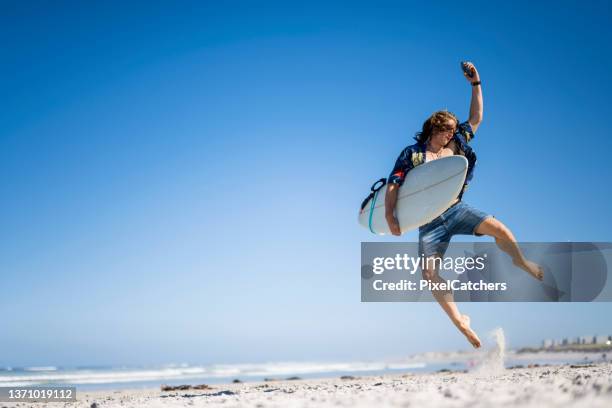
pixel 428 190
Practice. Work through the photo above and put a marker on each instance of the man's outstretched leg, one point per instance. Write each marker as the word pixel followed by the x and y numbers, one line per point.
pixel 506 242
pixel 446 301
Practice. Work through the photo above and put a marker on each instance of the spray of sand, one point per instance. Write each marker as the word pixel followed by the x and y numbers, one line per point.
pixel 492 362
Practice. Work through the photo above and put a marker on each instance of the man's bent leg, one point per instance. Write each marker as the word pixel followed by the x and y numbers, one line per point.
pixel 446 301
pixel 506 242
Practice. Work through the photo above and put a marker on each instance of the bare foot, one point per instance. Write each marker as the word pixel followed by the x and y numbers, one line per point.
pixel 464 327
pixel 532 268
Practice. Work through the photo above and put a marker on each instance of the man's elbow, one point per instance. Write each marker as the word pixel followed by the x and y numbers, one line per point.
pixel 475 120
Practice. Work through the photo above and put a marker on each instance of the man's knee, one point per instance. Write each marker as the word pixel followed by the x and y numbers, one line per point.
pixel 502 231
pixel 429 274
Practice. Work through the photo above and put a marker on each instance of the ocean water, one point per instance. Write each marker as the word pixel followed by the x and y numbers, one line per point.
pixel 91 378
pixel 491 361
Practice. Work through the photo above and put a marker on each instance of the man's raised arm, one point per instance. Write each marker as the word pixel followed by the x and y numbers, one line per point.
pixel 476 106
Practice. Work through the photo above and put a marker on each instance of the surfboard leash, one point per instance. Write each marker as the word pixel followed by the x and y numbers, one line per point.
pixel 372 211
pixel 373 196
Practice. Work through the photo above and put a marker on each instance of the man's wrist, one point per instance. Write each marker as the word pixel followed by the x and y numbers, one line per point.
pixel 476 83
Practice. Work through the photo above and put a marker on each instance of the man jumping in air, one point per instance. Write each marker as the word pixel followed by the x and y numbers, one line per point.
pixel 442 135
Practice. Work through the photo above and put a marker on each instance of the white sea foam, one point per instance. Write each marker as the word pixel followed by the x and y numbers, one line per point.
pixel 105 376
pixel 185 372
pixel 47 368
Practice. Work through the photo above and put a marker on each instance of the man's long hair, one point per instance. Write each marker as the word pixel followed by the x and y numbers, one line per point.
pixel 436 120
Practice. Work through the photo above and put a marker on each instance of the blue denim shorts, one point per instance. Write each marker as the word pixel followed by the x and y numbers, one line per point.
pixel 459 219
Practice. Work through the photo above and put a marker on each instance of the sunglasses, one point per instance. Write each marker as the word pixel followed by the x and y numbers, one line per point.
pixel 445 128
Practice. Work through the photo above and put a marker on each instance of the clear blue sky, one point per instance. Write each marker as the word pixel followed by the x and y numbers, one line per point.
pixel 180 180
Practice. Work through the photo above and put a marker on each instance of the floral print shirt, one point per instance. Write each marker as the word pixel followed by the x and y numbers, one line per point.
pixel 414 155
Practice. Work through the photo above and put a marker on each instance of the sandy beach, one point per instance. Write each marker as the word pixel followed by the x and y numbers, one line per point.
pixel 579 385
